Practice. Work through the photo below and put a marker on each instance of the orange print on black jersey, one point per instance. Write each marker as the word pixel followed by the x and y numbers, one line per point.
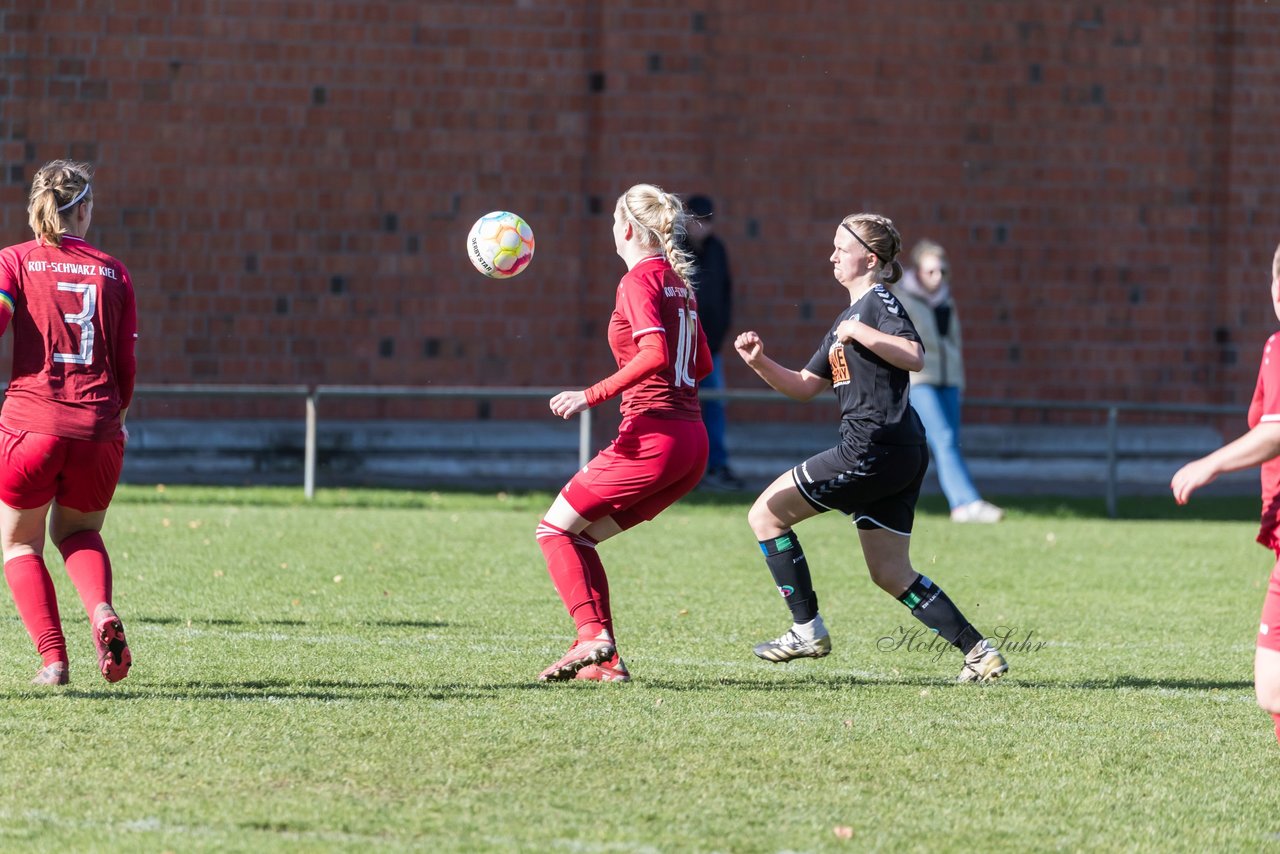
pixel 839 367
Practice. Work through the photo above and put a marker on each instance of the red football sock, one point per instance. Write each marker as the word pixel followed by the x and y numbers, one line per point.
pixel 1276 718
pixel 597 579
pixel 89 567
pixel 37 603
pixel 569 572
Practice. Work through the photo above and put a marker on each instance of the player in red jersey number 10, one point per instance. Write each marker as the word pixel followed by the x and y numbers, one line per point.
pixel 661 449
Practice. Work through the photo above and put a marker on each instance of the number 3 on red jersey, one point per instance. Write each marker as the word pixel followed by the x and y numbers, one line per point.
pixel 84 319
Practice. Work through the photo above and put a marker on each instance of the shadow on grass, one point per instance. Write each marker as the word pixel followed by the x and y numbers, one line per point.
pixel 835 682
pixel 275 690
pixel 1143 683
pixel 252 623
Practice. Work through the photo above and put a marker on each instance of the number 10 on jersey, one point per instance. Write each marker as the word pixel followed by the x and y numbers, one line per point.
pixel 686 348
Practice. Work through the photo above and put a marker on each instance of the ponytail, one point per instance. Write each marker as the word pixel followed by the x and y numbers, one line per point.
pixel 893 274
pixel 661 218
pixel 57 190
pixel 673 231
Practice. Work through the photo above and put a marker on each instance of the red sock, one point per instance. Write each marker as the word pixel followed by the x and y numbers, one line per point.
pixel 569 572
pixel 1276 718
pixel 37 603
pixel 89 567
pixel 597 579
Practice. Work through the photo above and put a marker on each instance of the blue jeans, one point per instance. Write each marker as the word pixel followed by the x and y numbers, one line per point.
pixel 714 418
pixel 939 408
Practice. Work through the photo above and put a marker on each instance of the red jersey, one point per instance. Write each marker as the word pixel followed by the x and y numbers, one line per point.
pixel 74 326
pixel 653 298
pixel 1266 407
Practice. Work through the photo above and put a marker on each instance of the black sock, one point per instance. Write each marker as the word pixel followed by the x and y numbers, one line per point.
pixel 935 609
pixel 791 573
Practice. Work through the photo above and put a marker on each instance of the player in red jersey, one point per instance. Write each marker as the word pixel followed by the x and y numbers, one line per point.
pixel 1260 445
pixel 661 448
pixel 62 434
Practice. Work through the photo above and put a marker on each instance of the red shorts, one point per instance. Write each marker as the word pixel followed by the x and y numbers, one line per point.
pixel 652 464
pixel 80 473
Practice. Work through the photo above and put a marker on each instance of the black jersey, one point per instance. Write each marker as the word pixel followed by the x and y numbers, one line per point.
pixel 875 407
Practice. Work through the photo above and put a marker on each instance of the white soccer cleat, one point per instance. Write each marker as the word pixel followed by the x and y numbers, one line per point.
pixel 984 663
pixel 791 645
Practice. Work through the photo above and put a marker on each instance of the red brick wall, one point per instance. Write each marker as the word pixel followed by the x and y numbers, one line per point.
pixel 291 182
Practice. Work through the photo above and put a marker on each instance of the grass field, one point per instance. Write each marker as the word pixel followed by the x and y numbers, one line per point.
pixel 358 674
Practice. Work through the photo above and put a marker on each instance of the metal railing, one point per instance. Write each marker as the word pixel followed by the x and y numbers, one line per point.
pixel 312 394
pixel 444 393
pixel 1112 410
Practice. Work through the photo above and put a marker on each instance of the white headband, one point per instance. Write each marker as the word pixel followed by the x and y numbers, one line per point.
pixel 73 202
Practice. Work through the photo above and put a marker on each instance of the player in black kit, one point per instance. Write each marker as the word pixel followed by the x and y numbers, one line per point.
pixel 874 474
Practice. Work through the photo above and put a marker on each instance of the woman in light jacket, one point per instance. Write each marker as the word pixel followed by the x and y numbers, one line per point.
pixel 935 391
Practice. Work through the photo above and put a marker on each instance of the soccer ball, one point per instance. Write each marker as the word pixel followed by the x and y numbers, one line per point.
pixel 500 244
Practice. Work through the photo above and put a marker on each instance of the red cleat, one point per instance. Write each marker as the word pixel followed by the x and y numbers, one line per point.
pixel 608 671
pixel 585 651
pixel 53 673
pixel 114 658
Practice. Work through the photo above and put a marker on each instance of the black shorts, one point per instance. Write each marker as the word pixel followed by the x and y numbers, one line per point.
pixel 878 486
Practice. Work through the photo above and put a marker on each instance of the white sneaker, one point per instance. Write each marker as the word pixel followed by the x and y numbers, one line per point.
pixel 984 663
pixel 977 511
pixel 791 645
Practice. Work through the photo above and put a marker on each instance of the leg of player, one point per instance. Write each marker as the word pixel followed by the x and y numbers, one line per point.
pixel 76 534
pixel 686 462
pixel 594 534
pixel 772 518
pixel 1266 662
pixel 611 669
pixel 22 538
pixel 889 561
pixel 1266 683
pixel 579 578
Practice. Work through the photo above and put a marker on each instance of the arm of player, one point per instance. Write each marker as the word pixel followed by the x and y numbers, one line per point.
pixel 703 363
pixel 1260 444
pixel 896 350
pixel 126 360
pixel 8 287
pixel 797 385
pixel 649 360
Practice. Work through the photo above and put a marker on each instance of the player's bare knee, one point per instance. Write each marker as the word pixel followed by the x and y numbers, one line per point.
pixel 764 523
pixel 891 575
pixel 1268 695
pixel 884 577
pixel 1270 703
